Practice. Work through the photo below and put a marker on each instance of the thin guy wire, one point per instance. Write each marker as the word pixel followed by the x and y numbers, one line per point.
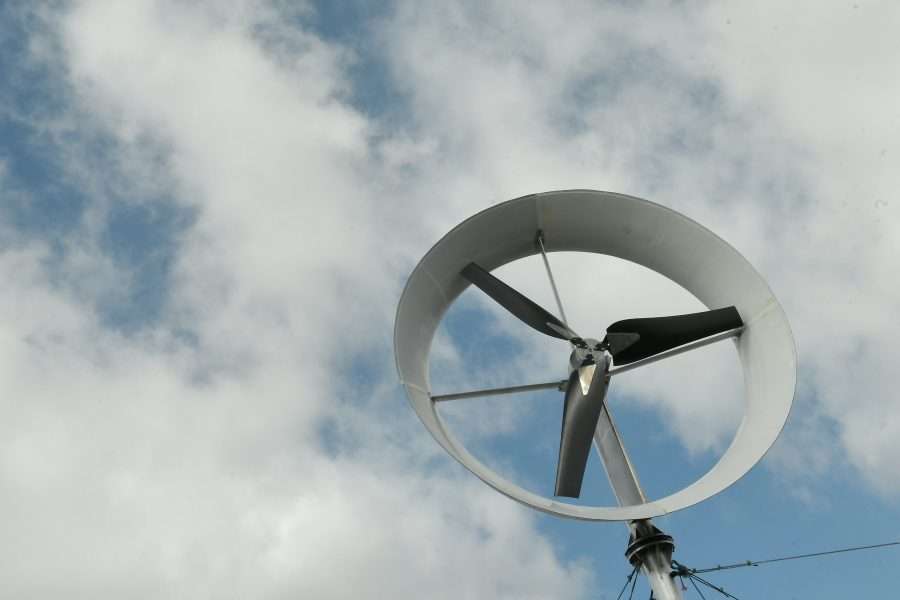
pixel 627 581
pixel 691 579
pixel 715 587
pixel 756 563
pixel 633 583
pixel 562 313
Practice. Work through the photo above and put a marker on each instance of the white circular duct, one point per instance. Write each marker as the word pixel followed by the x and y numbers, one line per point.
pixel 632 229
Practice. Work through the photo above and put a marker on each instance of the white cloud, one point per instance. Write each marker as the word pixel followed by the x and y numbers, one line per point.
pixel 193 466
pixel 773 126
pixel 186 459
pixel 822 73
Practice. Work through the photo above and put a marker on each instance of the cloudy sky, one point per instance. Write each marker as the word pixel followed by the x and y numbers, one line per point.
pixel 208 211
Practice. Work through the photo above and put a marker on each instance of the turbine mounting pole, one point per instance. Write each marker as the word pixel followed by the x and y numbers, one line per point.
pixel 648 548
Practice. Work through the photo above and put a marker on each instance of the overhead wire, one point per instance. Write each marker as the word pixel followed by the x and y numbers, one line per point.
pixel 756 563
pixel 680 570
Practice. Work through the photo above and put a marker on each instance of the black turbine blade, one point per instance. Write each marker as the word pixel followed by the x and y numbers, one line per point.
pixel 527 311
pixel 633 339
pixel 580 415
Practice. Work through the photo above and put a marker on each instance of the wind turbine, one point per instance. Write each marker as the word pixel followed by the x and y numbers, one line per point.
pixel 742 307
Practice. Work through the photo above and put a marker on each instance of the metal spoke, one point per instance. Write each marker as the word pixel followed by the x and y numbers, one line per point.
pixel 516 389
pixel 619 469
pixel 562 313
pixel 675 351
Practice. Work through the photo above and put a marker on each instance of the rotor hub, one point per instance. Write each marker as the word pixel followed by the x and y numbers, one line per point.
pixel 587 351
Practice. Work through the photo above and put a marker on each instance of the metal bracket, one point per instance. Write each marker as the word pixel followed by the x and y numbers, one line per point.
pixel 646 538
